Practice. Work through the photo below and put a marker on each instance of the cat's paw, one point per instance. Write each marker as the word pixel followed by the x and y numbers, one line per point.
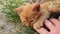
pixel 37 25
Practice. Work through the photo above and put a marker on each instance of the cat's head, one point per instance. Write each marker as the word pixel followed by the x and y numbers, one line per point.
pixel 29 13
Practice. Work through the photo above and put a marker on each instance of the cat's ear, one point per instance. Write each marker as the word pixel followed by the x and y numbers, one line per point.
pixel 36 7
pixel 19 9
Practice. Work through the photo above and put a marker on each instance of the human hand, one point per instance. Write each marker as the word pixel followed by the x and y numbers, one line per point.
pixel 53 25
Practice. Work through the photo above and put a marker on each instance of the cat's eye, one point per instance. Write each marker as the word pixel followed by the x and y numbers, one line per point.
pixel 24 21
pixel 31 20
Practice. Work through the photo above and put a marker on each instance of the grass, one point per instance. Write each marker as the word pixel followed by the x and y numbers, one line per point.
pixel 7 7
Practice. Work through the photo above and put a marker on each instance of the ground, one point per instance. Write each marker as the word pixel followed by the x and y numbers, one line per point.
pixel 7 27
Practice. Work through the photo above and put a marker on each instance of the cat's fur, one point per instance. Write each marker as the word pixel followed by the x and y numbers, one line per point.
pixel 35 14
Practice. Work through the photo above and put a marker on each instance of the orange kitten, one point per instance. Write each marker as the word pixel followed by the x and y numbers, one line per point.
pixel 35 14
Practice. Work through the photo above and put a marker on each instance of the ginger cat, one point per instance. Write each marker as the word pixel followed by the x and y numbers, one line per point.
pixel 35 14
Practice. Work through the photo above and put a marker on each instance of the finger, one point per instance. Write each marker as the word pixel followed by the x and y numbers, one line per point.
pixel 49 25
pixel 43 31
pixel 55 21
